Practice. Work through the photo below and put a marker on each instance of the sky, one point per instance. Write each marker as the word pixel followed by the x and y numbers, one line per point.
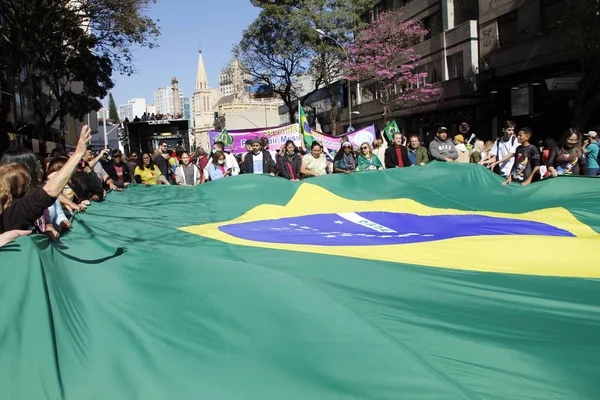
pixel 186 26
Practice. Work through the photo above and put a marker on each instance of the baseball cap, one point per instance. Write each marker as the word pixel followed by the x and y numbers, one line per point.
pixel 592 134
pixel 442 129
pixel 459 138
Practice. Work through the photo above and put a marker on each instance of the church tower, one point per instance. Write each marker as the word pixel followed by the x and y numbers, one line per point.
pixel 204 100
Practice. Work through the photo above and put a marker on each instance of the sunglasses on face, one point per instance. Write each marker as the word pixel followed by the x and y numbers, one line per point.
pixel 365 148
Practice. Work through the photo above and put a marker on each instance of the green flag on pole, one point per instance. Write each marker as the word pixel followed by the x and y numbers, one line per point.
pixel 390 129
pixel 390 285
pixel 305 127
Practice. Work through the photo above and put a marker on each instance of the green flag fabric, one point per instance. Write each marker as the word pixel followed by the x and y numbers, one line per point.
pixel 431 282
pixel 390 129
pixel 305 127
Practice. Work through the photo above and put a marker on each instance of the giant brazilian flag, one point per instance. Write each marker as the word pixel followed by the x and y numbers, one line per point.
pixel 414 283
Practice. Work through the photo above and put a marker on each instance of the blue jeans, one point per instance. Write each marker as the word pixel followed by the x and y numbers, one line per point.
pixel 56 213
pixel 593 171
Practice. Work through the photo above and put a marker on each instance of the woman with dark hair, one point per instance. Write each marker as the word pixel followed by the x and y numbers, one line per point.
pixel 53 217
pixel 20 203
pixel 148 173
pixel 344 161
pixel 217 169
pixel 26 157
pixel 187 173
pixel 289 162
pixel 315 163
pixel 566 158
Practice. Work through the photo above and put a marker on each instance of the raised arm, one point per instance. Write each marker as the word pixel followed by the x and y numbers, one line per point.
pixel 55 185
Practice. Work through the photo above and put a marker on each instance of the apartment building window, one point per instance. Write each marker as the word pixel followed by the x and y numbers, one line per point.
pixel 433 24
pixel 551 13
pixel 435 75
pixel 455 65
pixel 508 28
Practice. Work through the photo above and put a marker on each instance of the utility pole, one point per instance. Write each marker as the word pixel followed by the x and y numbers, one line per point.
pixel 104 122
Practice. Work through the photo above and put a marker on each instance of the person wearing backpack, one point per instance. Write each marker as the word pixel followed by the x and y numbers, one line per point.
pixel 503 151
pixel 591 150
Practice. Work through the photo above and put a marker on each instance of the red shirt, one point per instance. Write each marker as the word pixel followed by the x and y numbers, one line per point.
pixel 399 155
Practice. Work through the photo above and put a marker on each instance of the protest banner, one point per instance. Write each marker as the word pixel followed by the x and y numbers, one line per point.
pixel 278 136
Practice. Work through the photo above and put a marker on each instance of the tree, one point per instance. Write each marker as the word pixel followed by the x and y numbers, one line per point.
pixel 338 19
pixel 113 114
pixel 384 53
pixel 273 52
pixel 70 47
pixel 580 25
pixel 284 42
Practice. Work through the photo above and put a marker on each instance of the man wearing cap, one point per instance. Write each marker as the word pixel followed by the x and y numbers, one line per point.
pixel 463 152
pixel 591 150
pixel 258 161
pixel 442 148
pixel 118 170
pixel 396 156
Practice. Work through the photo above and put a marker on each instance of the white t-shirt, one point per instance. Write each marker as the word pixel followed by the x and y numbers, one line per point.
pixel 257 161
pixel 501 150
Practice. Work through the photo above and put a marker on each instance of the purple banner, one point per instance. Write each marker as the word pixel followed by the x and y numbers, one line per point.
pixel 235 141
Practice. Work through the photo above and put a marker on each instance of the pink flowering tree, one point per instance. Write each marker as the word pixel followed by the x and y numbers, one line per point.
pixel 384 53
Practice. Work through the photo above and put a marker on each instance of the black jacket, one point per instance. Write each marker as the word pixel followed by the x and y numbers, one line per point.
pixel 391 159
pixel 109 167
pixel 283 168
pixel 247 166
pixel 163 165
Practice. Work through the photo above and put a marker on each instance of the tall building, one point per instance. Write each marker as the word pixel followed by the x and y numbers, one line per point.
pixel 134 108
pixel 150 109
pixel 204 101
pixel 164 100
pixel 234 79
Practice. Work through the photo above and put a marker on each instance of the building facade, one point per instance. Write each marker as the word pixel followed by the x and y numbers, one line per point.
pixel 205 99
pixel 526 71
pixel 491 60
pixel 134 108
pixel 150 109
pixel 164 100
pixel 234 79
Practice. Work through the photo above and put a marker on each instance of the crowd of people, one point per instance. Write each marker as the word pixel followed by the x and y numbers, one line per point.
pixel 40 195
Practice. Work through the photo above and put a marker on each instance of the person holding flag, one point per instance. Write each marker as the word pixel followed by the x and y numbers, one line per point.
pixel 391 129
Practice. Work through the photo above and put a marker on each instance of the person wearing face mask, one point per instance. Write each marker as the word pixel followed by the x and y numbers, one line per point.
pixel 217 169
pixel 566 158
pixel 230 160
pixel 258 161
pixel 188 173
pixel 289 162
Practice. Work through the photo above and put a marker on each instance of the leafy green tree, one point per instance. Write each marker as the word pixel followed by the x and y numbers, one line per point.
pixel 283 41
pixel 66 52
